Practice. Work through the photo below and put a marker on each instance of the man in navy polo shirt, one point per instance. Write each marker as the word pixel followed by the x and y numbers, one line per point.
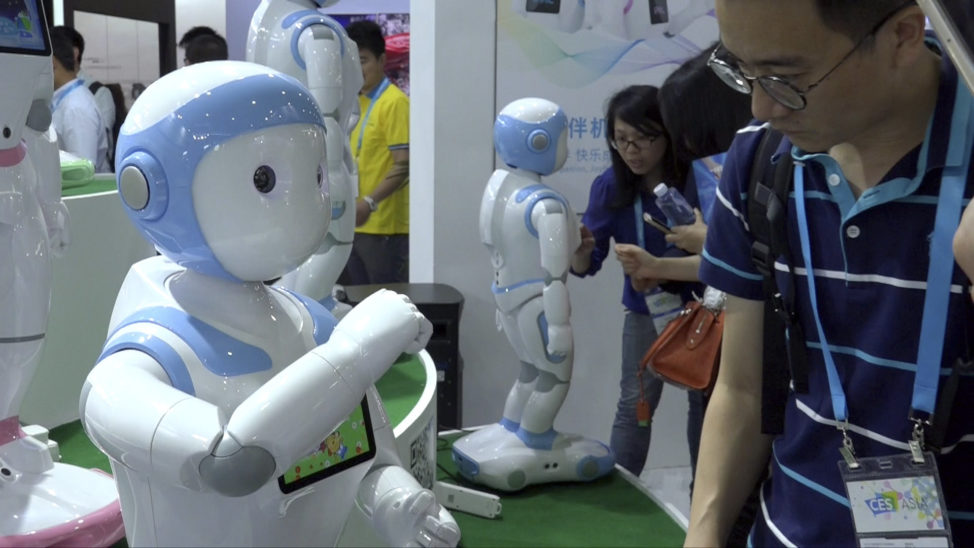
pixel 881 130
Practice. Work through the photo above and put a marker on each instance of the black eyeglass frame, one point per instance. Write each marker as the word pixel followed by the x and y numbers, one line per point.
pixel 614 142
pixel 774 85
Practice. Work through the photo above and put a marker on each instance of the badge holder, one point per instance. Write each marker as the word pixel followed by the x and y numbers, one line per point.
pixel 895 500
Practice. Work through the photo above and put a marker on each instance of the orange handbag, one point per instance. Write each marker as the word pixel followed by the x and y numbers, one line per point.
pixel 687 352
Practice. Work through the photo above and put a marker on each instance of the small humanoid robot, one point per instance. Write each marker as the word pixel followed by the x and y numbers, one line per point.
pixel 215 391
pixel 294 38
pixel 42 503
pixel 531 233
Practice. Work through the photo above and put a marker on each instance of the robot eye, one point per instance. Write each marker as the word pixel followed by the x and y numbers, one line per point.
pixel 321 176
pixel 264 179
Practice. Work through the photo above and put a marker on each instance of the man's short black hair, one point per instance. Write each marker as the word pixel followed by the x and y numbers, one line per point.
pixel 367 35
pixel 206 47
pixel 854 18
pixel 194 32
pixel 77 40
pixel 62 48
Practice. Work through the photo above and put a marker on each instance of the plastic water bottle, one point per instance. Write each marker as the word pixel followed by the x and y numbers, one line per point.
pixel 674 205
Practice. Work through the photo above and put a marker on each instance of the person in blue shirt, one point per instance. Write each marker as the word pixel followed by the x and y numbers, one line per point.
pixel 641 158
pixel 880 129
pixel 703 116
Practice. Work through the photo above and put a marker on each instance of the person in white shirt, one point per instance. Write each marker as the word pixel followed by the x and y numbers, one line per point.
pixel 77 122
pixel 103 95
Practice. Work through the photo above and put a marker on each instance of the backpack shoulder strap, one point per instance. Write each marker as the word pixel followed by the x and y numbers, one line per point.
pixel 95 86
pixel 767 208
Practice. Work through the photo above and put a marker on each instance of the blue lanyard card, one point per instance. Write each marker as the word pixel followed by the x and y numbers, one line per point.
pixel 896 501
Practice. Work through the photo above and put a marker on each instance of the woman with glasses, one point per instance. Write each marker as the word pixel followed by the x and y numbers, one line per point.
pixel 703 116
pixel 641 158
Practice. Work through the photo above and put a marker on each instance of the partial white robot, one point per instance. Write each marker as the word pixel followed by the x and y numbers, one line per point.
pixel 293 37
pixel 42 502
pixel 236 413
pixel 531 233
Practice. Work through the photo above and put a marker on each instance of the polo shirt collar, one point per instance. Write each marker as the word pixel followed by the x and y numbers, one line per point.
pixel 935 152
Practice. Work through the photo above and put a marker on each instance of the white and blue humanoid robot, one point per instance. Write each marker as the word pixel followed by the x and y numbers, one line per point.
pixel 42 502
pixel 215 393
pixel 531 233
pixel 293 37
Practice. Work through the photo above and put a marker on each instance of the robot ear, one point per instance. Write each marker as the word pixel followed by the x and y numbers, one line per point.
pixel 142 185
pixel 538 141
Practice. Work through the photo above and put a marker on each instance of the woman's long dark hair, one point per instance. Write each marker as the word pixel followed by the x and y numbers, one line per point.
pixel 701 110
pixel 639 107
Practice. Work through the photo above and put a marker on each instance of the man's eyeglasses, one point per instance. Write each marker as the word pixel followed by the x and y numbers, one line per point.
pixel 639 144
pixel 778 88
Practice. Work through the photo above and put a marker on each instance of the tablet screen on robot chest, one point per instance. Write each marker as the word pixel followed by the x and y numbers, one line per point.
pixel 353 442
pixel 22 28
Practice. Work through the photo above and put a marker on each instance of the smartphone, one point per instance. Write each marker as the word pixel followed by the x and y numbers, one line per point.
pixel 656 223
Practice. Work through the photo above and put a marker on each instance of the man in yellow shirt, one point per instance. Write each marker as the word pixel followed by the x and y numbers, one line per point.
pixel 380 145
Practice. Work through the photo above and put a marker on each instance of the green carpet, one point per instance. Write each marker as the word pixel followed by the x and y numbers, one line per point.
pixel 606 512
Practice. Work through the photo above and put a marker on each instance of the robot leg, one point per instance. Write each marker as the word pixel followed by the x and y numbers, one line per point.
pixel 555 373
pixel 527 378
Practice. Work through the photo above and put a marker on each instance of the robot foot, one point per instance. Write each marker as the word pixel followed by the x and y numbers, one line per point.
pixel 498 458
pixel 65 505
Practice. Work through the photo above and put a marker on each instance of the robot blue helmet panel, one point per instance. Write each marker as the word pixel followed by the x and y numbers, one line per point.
pixel 530 133
pixel 178 121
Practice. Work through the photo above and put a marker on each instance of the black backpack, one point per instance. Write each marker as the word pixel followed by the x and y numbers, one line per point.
pixel 767 208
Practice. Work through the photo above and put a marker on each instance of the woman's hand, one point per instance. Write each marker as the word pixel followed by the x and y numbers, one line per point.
pixel 640 265
pixel 690 237
pixel 588 241
pixel 582 259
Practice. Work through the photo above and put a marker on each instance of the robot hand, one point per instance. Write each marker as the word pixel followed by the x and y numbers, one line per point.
pixel 57 228
pixel 386 323
pixel 559 339
pixel 419 512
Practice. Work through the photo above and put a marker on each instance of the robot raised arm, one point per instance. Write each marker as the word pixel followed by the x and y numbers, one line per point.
pixel 188 441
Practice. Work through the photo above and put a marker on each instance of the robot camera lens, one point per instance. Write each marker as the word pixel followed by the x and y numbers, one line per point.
pixel 321 176
pixel 6 132
pixel 264 179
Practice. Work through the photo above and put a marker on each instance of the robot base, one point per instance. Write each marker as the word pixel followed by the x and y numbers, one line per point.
pixel 58 505
pixel 496 457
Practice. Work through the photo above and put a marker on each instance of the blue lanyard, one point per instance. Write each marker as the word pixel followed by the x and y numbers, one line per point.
pixel 365 119
pixel 937 295
pixel 637 208
pixel 73 86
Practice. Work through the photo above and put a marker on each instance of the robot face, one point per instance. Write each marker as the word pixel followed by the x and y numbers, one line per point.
pixel 220 151
pixel 262 200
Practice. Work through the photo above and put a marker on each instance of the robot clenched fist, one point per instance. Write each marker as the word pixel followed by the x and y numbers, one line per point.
pixel 234 412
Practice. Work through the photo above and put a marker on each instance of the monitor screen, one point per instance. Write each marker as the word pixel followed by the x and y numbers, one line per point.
pixel 351 443
pixel 23 28
pixel 953 21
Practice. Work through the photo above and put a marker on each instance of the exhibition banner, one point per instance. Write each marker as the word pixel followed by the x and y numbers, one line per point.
pixel 578 54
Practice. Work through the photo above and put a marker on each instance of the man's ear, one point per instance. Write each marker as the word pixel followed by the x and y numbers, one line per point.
pixel 909 34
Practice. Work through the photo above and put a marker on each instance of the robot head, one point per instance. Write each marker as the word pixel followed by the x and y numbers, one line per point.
pixel 221 165
pixel 530 134
pixel 25 60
